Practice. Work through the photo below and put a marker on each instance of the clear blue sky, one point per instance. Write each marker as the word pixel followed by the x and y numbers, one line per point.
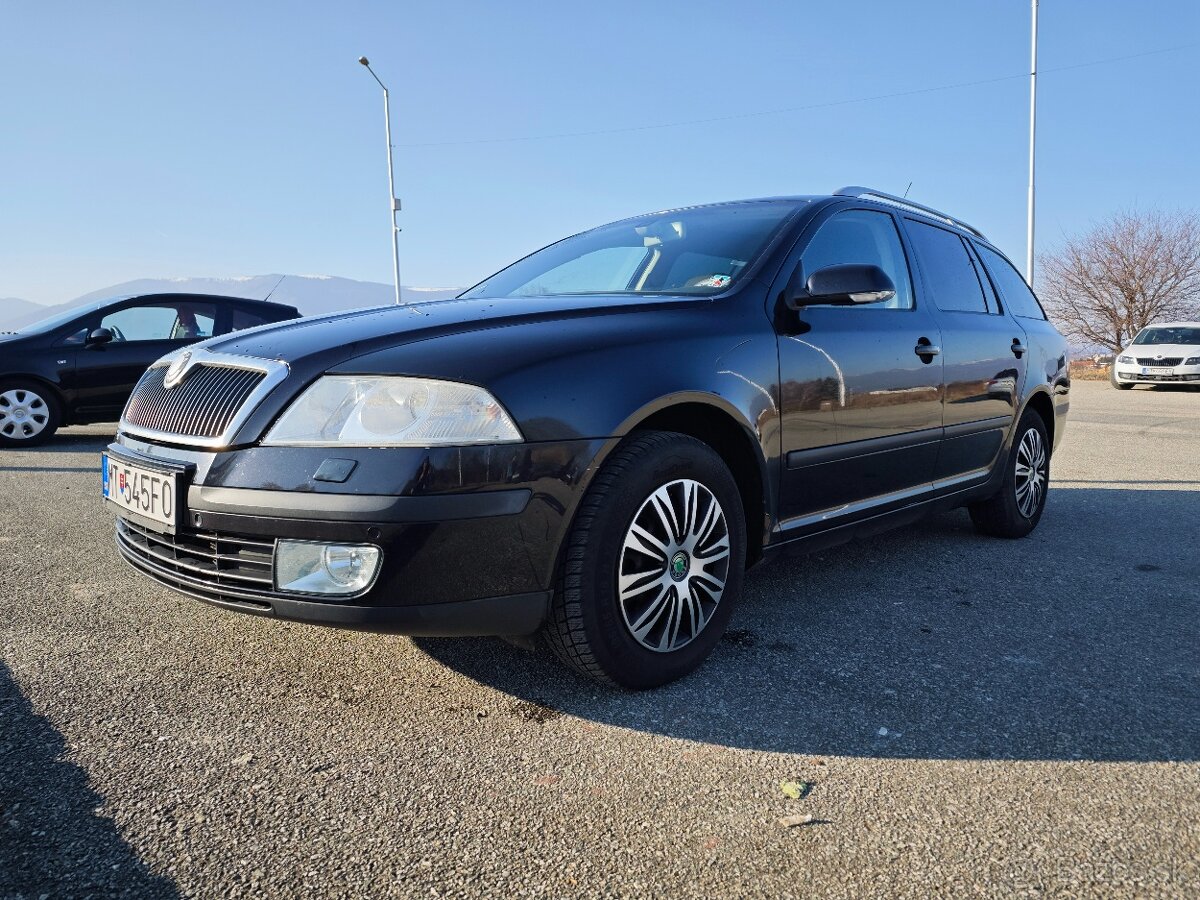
pixel 169 139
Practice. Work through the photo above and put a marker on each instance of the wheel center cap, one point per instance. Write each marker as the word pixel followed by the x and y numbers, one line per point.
pixel 18 413
pixel 680 563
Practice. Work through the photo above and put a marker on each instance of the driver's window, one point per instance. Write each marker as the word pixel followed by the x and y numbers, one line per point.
pixel 866 238
pixel 183 321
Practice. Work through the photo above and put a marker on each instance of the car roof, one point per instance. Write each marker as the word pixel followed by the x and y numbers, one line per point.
pixel 1174 325
pixel 191 295
pixel 867 196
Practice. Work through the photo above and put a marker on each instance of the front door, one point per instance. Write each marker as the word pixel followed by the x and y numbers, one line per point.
pixel 861 385
pixel 142 332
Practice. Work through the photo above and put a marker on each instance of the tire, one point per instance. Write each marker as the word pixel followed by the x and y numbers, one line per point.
pixel 677 599
pixel 29 414
pixel 1015 510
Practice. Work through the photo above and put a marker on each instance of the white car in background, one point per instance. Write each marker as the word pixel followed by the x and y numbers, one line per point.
pixel 1160 354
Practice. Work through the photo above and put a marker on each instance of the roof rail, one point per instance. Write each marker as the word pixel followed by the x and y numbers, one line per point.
pixel 904 203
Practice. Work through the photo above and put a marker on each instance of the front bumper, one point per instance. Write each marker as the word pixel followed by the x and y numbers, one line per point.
pixel 1178 375
pixel 517 614
pixel 479 561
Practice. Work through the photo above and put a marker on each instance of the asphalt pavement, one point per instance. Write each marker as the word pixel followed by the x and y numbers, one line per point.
pixel 971 716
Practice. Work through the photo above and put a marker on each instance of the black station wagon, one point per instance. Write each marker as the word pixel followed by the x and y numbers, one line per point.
pixel 596 442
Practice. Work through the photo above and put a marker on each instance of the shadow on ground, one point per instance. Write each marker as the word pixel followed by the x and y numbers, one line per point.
pixel 1080 642
pixel 65 442
pixel 52 841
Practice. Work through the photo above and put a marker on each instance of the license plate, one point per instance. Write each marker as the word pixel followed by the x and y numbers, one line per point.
pixel 1157 370
pixel 143 492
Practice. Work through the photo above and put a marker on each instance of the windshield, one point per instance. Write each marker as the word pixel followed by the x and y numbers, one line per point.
pixel 1183 334
pixel 62 318
pixel 693 251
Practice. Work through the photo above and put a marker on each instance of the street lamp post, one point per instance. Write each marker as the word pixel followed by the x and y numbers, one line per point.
pixel 1032 131
pixel 393 203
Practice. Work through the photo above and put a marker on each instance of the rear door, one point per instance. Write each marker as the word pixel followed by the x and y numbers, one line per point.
pixel 861 406
pixel 983 349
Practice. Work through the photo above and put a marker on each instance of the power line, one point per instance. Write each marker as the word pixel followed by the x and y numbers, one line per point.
pixel 792 109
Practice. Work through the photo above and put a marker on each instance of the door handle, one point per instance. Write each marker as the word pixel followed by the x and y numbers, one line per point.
pixel 925 348
pixel 1018 348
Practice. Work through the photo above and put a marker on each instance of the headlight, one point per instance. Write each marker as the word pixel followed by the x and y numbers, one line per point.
pixel 1192 361
pixel 1125 359
pixel 392 411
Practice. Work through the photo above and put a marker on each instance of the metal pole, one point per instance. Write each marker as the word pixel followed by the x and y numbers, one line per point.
pixel 1032 133
pixel 387 130
pixel 393 203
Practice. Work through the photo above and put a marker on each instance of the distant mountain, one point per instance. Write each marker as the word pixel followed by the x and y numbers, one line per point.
pixel 12 308
pixel 311 294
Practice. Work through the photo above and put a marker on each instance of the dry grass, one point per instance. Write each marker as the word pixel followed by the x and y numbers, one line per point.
pixel 1089 373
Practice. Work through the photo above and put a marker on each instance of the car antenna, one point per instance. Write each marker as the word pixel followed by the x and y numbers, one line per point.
pixel 907 189
pixel 272 290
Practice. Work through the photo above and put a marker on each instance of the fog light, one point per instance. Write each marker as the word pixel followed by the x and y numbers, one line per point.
pixel 304 567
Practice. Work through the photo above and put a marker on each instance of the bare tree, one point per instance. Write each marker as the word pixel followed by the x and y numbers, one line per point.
pixel 1131 270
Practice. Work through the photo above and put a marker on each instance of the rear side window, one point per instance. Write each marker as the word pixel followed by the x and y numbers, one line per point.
pixel 862 237
pixel 1018 298
pixel 242 318
pixel 947 268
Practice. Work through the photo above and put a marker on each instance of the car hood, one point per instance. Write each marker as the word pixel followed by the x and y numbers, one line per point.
pixel 333 339
pixel 1149 351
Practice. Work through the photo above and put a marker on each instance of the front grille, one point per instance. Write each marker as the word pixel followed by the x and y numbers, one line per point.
pixel 204 564
pixel 202 406
pixel 1165 361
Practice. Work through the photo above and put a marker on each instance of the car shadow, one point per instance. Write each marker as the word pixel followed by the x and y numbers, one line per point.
pixel 88 439
pixel 53 842
pixel 65 442
pixel 1079 642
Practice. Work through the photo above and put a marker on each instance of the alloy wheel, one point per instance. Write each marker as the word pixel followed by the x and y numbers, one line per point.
pixel 674 565
pixel 1031 474
pixel 23 414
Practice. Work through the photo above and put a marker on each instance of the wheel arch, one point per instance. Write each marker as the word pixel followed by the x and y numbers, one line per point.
pixel 1041 403
pixel 50 387
pixel 50 390
pixel 715 422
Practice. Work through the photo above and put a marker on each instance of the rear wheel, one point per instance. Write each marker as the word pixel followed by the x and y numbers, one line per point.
pixel 1016 508
pixel 652 565
pixel 29 414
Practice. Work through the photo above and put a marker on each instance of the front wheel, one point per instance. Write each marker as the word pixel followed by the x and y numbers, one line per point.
pixel 29 414
pixel 652 565
pixel 1016 509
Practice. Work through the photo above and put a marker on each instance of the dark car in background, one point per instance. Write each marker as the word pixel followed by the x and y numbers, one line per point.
pixel 598 440
pixel 80 365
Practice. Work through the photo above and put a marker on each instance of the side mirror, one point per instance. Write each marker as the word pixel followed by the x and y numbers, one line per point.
pixel 843 286
pixel 99 337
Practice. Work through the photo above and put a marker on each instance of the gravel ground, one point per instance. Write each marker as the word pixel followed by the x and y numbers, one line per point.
pixel 973 716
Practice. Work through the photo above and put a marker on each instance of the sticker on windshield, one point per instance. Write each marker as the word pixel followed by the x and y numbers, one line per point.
pixel 715 281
